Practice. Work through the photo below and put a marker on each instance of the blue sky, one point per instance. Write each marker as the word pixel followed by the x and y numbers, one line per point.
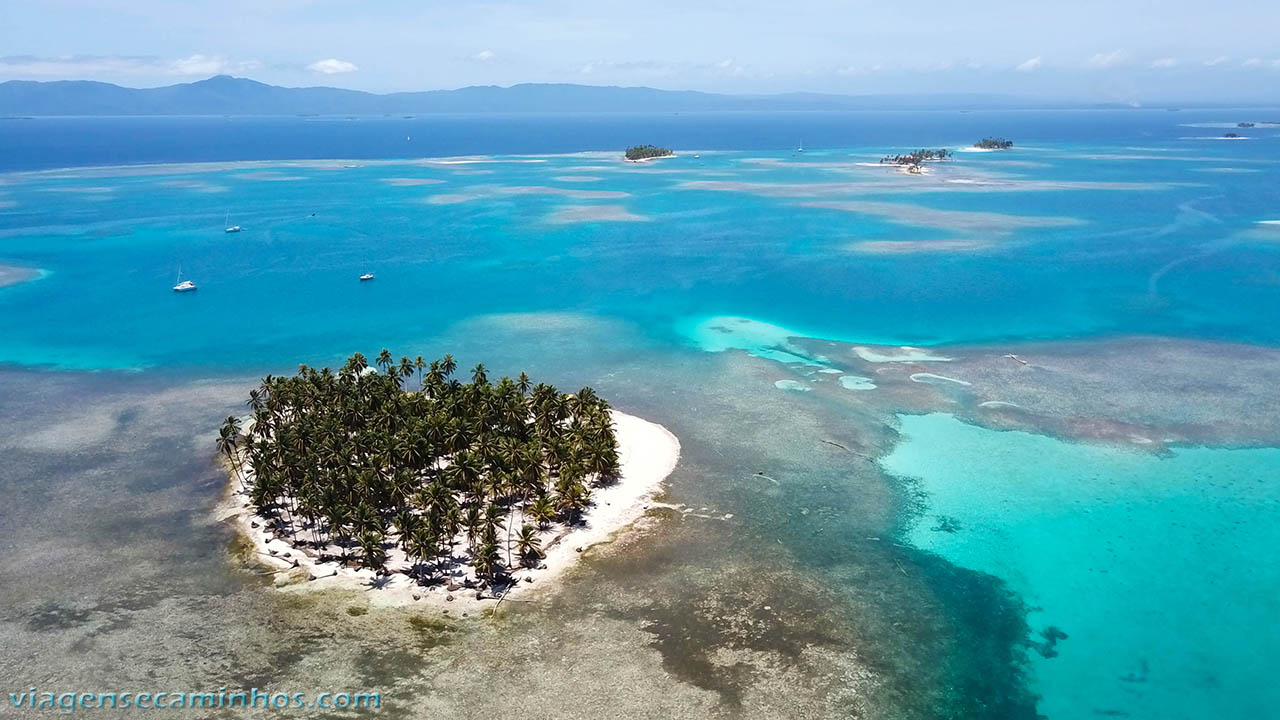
pixel 1123 50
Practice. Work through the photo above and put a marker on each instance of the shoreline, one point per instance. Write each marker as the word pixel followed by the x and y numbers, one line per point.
pixel 648 159
pixel 648 453
pixel 900 169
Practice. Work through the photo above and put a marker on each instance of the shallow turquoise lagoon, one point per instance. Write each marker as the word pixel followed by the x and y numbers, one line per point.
pixel 1161 571
pixel 1055 239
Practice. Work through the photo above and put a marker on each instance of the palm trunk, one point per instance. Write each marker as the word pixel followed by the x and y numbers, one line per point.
pixel 509 514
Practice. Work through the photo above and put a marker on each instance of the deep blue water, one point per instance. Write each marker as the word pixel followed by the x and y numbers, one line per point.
pixel 39 143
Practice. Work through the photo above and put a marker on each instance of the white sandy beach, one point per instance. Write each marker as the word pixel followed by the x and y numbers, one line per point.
pixel 647 159
pixel 647 453
pixel 901 169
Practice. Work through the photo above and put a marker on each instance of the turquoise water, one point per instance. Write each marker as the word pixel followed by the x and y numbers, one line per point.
pixel 1096 225
pixel 1158 569
pixel 1054 240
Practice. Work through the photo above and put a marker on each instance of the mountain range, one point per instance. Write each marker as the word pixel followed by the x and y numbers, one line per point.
pixel 226 95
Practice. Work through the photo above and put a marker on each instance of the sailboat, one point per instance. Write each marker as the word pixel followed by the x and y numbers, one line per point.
pixel 801 147
pixel 230 228
pixel 183 285
pixel 366 277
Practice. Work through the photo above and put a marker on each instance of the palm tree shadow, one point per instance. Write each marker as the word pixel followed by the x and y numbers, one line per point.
pixel 379 582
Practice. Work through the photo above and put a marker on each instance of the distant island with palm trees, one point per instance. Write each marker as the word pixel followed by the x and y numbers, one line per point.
pixel 441 492
pixel 913 162
pixel 994 144
pixel 642 153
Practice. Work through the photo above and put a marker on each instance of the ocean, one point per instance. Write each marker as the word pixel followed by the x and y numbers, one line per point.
pixel 727 293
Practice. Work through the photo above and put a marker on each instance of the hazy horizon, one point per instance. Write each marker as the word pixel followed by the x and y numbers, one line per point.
pixel 1089 52
pixel 941 99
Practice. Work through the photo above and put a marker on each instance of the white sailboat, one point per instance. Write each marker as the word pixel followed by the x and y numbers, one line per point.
pixel 230 228
pixel 183 285
pixel 801 147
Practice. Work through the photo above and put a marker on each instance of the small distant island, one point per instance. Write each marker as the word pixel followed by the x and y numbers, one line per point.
pixel 913 163
pixel 642 153
pixel 1231 136
pixel 350 479
pixel 1244 124
pixel 993 144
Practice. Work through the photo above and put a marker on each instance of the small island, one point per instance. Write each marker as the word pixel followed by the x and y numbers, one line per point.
pixel 913 163
pixel 643 153
pixel 993 144
pixel 1244 125
pixel 350 479
pixel 1231 136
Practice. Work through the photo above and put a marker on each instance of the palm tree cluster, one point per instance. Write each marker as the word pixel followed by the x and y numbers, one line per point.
pixel 917 157
pixel 641 152
pixel 354 460
pixel 994 144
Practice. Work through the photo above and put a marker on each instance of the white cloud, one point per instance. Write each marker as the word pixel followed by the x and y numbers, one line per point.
pixel 1252 63
pixel 729 67
pixel 1107 60
pixel 210 65
pixel 332 66
pixel 1163 63
pixel 91 66
pixel 483 56
pixel 1216 61
pixel 1030 65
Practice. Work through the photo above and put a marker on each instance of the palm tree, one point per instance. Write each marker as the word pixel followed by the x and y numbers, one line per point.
pixel 421 546
pixel 406 524
pixel 572 501
pixel 472 520
pixel 528 545
pixel 486 561
pixel 228 439
pixel 543 511
pixel 371 548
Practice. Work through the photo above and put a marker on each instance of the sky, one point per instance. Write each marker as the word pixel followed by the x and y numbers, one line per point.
pixel 1134 51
